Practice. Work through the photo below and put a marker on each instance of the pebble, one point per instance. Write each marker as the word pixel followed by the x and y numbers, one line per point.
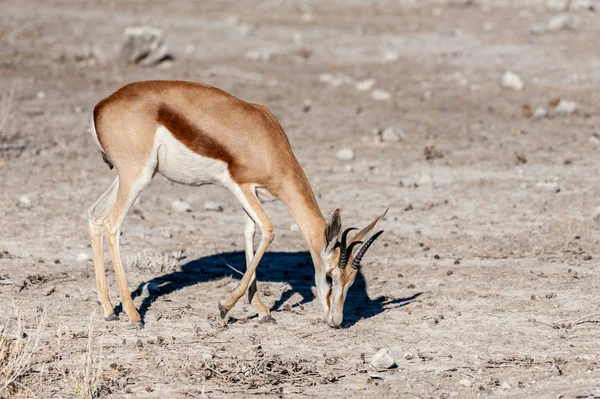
pixel 382 360
pixel 213 206
pixel 294 227
pixel 512 81
pixel 345 154
pixel 25 201
pixel 381 95
pixel 392 134
pixel 585 5
pixel 548 186
pixel 40 95
pixel 83 257
pixel 166 234
pixel 144 45
pixel 565 107
pixel 594 140
pixel 390 55
pixel 540 113
pixel 408 356
pixel 365 85
pixel 465 382
pixel 348 168
pixel 560 22
pixel 150 288
pixel 181 206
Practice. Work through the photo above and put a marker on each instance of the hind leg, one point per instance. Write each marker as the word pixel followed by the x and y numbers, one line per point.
pixel 130 186
pixel 96 215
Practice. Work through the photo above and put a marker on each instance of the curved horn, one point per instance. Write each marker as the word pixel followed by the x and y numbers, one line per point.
pixel 343 261
pixel 346 254
pixel 363 250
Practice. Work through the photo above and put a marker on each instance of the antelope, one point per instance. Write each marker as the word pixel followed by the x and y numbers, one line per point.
pixel 195 134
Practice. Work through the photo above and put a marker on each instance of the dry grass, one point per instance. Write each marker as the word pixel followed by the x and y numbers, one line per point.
pixel 5 113
pixel 156 262
pixel 17 350
pixel 85 379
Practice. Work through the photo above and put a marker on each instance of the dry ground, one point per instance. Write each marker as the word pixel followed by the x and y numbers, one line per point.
pixel 484 284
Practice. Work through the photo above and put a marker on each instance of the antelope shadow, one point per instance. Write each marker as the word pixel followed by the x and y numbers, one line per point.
pixel 294 268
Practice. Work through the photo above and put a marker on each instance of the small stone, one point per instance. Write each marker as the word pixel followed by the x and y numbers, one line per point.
pixel 213 206
pixel 325 78
pixel 594 140
pixel 150 288
pixel 540 113
pixel 25 201
pixel 365 85
pixel 465 382
pixel 512 81
pixel 40 95
pixel 488 26
pixel 345 154
pixel 181 206
pixel 548 186
pixel 259 55
pixel 539 29
pixel 144 45
pixel 49 290
pixel 585 5
pixel 408 356
pixel 382 360
pixel 206 357
pixel 307 105
pixel 381 95
pixel 390 55
pixel 392 134
pixel 166 234
pixel 348 168
pixel 565 107
pixel 83 257
pixel 294 227
pixel 560 22
pixel 245 29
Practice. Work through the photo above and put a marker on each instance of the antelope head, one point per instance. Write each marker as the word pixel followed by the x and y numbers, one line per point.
pixel 341 257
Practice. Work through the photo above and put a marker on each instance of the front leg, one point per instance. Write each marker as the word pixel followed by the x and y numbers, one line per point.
pixel 264 313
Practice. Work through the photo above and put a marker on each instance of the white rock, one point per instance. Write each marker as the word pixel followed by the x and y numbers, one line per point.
pixel 557 5
pixel 166 234
pixel 548 186
pixel 390 55
pixel 25 201
pixel 245 29
pixel 392 134
pixel 180 206
pixel 382 360
pixel 565 107
pixel 408 356
pixel 465 382
pixel 150 288
pixel 40 95
pixel 345 154
pixel 512 81
pixel 83 257
pixel 294 227
pixel 307 17
pixel 144 45
pixel 585 5
pixel 594 140
pixel 365 85
pixel 488 26
pixel 349 168
pixel 258 55
pixel 560 22
pixel 325 77
pixel 213 206
pixel 381 95
pixel 540 113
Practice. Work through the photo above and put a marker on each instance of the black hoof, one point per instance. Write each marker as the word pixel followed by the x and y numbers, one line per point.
pixel 222 311
pixel 267 320
pixel 137 324
pixel 111 317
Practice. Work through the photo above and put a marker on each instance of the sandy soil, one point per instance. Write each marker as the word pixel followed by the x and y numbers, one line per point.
pixel 485 283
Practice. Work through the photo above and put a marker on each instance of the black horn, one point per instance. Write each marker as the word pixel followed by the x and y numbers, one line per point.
pixel 363 250
pixel 344 254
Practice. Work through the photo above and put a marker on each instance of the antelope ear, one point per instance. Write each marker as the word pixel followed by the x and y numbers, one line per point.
pixel 333 230
pixel 367 231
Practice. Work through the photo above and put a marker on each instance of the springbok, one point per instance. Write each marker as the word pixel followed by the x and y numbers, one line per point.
pixel 196 134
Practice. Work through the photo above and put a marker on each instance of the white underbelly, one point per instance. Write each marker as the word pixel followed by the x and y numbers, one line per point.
pixel 180 164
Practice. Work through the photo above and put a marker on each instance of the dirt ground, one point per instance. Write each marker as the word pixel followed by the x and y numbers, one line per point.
pixel 485 283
